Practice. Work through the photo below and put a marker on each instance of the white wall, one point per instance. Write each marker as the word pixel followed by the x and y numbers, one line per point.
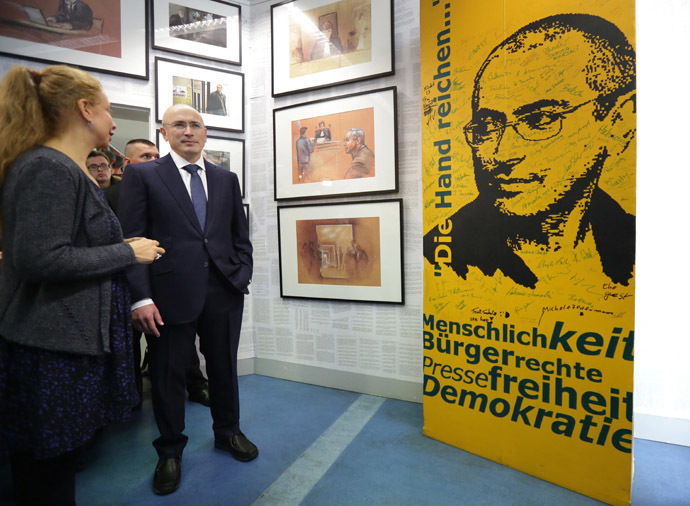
pixel 662 354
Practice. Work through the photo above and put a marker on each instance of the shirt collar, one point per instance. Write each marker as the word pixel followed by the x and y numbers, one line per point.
pixel 181 162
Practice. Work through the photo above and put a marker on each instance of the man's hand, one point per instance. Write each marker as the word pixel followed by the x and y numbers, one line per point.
pixel 146 319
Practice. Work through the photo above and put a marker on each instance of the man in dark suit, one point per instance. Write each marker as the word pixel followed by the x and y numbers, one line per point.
pixel 195 209
pixel 140 151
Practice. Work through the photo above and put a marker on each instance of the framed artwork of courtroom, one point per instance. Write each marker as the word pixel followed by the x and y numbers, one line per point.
pixel 338 146
pixel 226 153
pixel 348 251
pixel 217 94
pixel 100 35
pixel 209 29
pixel 320 43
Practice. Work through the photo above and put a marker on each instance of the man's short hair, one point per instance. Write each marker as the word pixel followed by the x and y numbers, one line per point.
pixel 610 69
pixel 146 142
pixel 357 133
pixel 302 130
pixel 98 152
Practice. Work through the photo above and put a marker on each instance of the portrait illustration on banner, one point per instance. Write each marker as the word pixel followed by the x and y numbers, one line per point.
pixel 529 149
pixel 540 146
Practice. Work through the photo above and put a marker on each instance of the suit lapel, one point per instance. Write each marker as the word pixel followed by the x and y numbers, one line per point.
pixel 170 175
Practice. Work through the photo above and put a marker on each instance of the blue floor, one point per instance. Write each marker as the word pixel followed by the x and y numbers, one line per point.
pixel 320 446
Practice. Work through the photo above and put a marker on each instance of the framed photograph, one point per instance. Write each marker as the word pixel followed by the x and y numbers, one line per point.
pixel 338 146
pixel 99 35
pixel 351 251
pixel 217 94
pixel 226 153
pixel 320 43
pixel 209 29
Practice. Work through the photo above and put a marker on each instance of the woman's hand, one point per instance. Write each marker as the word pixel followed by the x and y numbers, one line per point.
pixel 145 250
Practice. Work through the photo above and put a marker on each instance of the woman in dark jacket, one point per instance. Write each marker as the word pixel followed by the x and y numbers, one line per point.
pixel 65 335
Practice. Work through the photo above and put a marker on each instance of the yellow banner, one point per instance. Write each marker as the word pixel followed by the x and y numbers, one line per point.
pixel 529 202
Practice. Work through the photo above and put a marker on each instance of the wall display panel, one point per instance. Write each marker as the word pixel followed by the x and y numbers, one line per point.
pixel 350 251
pixel 340 146
pixel 319 43
pixel 209 29
pixel 102 35
pixel 226 153
pixel 217 94
pixel 529 159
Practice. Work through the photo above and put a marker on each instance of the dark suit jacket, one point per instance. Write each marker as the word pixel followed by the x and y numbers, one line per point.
pixel 154 203
pixel 480 238
pixel 112 194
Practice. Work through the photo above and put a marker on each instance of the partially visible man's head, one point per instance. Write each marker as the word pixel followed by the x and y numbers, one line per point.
pixel 302 131
pixel 184 129
pixel 98 165
pixel 140 150
pixel 219 88
pixel 354 138
pixel 542 113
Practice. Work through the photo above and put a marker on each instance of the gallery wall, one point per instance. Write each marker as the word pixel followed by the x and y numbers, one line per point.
pixel 374 348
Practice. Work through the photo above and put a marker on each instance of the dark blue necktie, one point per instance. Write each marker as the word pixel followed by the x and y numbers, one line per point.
pixel 198 194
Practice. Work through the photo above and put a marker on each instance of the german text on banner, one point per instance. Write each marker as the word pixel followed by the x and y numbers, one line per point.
pixel 529 125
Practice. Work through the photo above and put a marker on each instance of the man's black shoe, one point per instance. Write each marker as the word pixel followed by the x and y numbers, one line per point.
pixel 166 479
pixel 239 447
pixel 202 397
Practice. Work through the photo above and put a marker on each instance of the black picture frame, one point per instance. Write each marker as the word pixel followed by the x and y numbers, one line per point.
pixel 335 168
pixel 194 85
pixel 348 251
pixel 303 58
pixel 214 31
pixel 118 48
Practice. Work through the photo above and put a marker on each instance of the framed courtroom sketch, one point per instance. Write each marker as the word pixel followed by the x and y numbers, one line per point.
pixel 217 94
pixel 226 153
pixel 349 251
pixel 209 29
pixel 320 43
pixel 337 146
pixel 97 35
